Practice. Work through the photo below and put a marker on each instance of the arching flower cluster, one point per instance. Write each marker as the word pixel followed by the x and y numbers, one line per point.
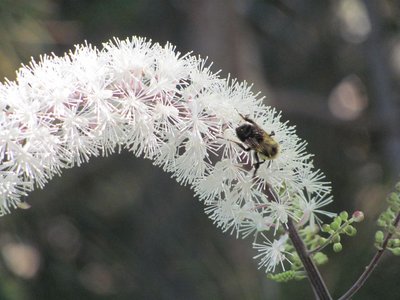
pixel 166 107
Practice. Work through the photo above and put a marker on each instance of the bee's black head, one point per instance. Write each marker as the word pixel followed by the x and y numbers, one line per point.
pixel 244 131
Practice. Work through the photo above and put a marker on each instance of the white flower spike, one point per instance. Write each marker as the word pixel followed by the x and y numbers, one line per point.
pixel 166 107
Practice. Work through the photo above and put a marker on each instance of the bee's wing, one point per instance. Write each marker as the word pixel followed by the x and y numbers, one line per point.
pixel 253 142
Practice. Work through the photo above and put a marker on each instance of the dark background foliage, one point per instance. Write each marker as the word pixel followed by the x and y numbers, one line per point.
pixel 120 228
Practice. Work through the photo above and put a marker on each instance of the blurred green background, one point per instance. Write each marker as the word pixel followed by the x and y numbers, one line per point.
pixel 119 228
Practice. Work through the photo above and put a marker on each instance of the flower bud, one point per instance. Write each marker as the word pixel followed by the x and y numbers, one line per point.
pixel 379 236
pixel 358 216
pixel 326 228
pixel 320 258
pixel 397 187
pixel 344 215
pixel 350 230
pixel 395 251
pixel 337 247
pixel 335 225
pixel 336 238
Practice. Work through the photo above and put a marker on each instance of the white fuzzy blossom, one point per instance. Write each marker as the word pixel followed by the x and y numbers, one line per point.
pixel 273 253
pixel 166 107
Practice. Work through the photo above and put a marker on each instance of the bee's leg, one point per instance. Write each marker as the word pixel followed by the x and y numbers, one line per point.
pixel 257 164
pixel 241 146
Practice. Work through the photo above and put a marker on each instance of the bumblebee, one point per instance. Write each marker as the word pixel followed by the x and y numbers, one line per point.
pixel 258 140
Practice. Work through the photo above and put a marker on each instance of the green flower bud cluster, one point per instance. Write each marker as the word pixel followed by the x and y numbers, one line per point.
pixel 389 220
pixel 287 276
pixel 339 226
pixel 312 239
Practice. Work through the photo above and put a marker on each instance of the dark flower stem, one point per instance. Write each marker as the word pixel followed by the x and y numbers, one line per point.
pixel 320 290
pixel 371 267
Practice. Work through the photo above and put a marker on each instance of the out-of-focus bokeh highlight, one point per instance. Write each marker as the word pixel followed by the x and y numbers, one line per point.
pixel 119 228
